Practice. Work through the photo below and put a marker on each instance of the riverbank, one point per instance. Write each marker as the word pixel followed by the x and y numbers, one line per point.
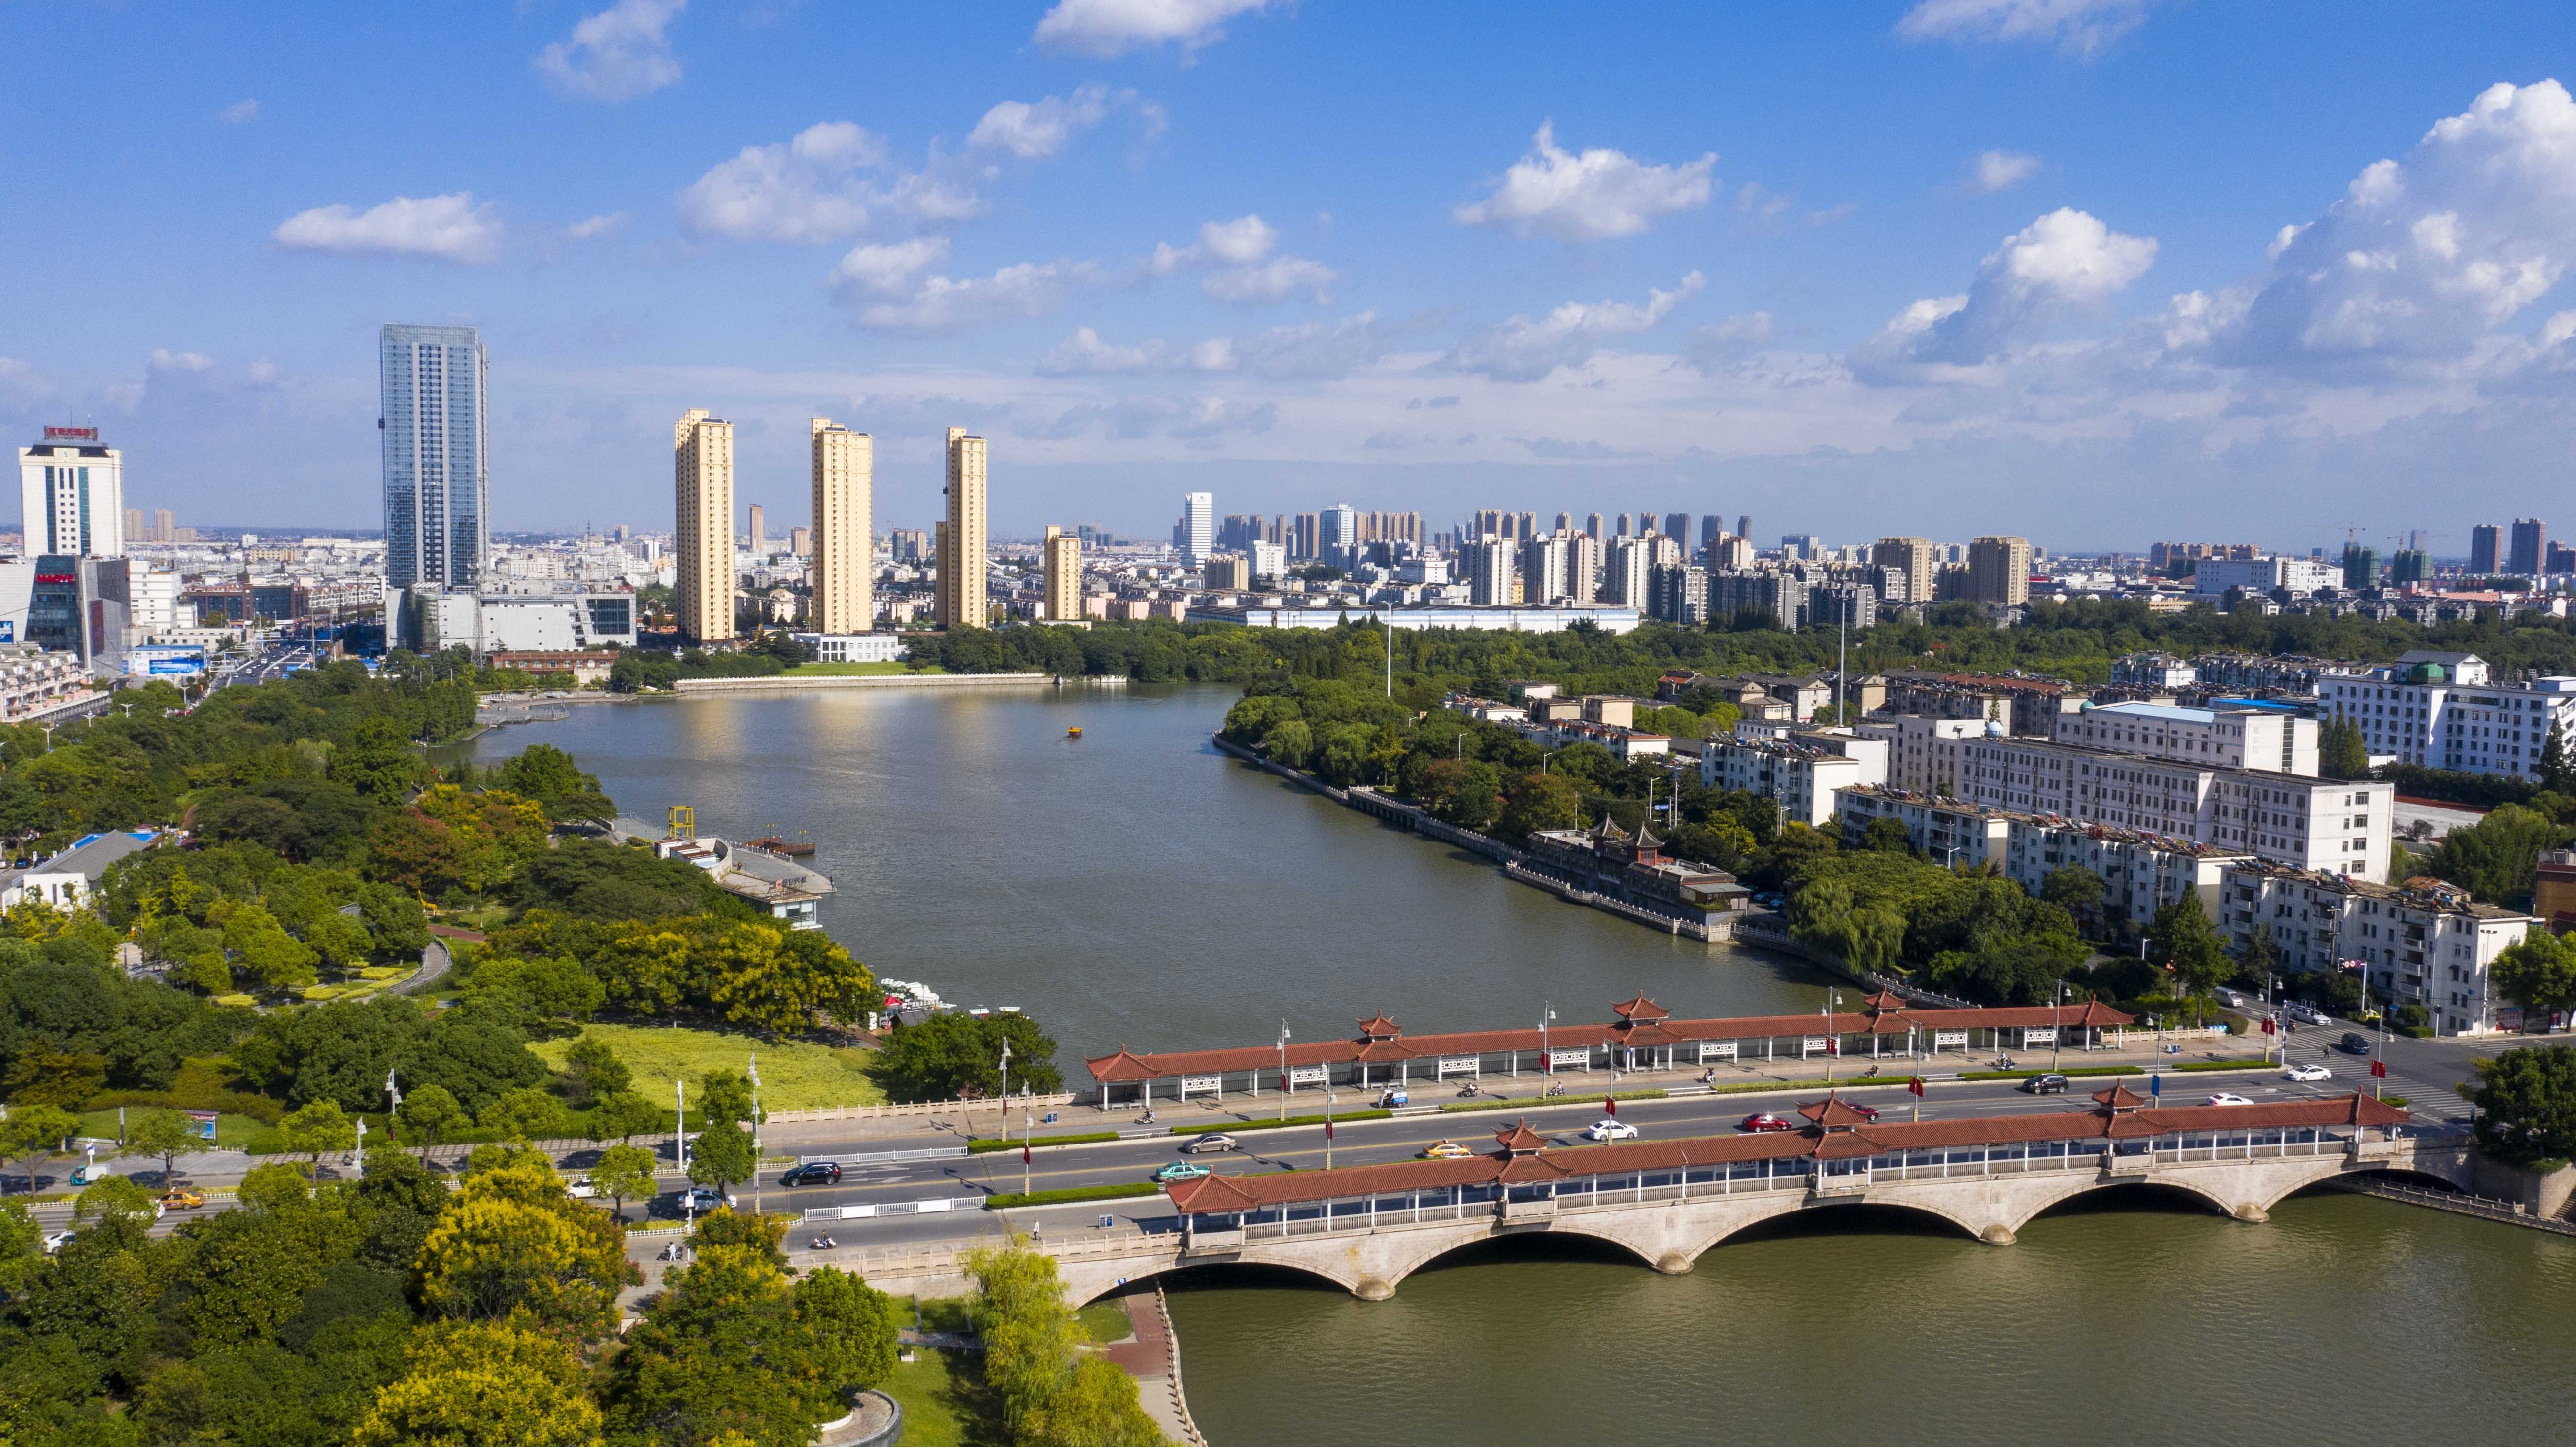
pixel 1517 866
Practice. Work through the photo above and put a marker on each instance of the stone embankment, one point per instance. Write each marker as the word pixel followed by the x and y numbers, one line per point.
pixel 891 680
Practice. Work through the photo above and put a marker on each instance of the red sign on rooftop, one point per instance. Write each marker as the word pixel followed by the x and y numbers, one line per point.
pixel 71 434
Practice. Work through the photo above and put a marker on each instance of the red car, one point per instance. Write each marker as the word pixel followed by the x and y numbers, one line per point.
pixel 1763 1120
pixel 1866 1112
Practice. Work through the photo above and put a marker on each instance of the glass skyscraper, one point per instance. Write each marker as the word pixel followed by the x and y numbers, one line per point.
pixel 438 477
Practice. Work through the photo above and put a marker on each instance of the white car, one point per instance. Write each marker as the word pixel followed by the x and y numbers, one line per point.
pixel 57 1240
pixel 2307 1071
pixel 2226 1097
pixel 1606 1129
pixel 2307 1014
pixel 581 1189
pixel 703 1199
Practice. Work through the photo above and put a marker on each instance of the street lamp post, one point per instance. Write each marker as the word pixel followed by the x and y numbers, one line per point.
pixel 753 1071
pixel 1833 1000
pixel 1006 1090
pixel 1546 1062
pixel 680 1142
pixel 362 1148
pixel 1283 1072
pixel 2056 1024
pixel 1028 1127
pixel 1328 1121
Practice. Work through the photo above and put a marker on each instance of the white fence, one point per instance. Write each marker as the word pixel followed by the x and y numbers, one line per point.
pixel 927 1107
pixel 867 1210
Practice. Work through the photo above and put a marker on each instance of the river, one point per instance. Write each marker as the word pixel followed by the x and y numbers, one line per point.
pixel 1135 887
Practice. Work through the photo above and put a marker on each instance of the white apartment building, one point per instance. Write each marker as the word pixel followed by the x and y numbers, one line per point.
pixel 2232 738
pixel 2213 576
pixel 853 647
pixel 33 681
pixel 2428 946
pixel 1922 751
pixel 2141 873
pixel 2307 823
pixel 1799 771
pixel 1270 562
pixel 2440 711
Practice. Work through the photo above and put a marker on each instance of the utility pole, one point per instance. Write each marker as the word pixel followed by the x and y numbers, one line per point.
pixel 1283 1072
pixel 680 1139
pixel 754 1072
pixel 1028 1127
pixel 1005 1131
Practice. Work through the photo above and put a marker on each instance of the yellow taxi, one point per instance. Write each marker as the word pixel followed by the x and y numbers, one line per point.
pixel 1444 1151
pixel 180 1198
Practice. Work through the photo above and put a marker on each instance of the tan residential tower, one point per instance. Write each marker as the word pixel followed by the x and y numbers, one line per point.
pixel 962 542
pixel 844 525
pixel 1063 575
pixel 702 484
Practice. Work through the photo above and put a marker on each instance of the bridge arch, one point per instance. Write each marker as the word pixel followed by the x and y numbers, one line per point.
pixel 2089 1189
pixel 1082 1292
pixel 1799 1207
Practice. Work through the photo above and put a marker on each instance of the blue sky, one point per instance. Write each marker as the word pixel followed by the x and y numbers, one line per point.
pixel 1951 267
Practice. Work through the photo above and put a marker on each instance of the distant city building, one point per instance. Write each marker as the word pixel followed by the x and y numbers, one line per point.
pixel 71 490
pixel 1269 561
pixel 759 529
pixel 1916 559
pixel 2530 539
pixel 963 537
pixel 844 482
pixel 853 647
pixel 800 541
pixel 2236 738
pixel 437 457
pixel 702 516
pixel 1999 570
pixel 1491 573
pixel 2484 546
pixel 2266 574
pixel 1194 536
pixel 1226 573
pixel 2360 567
pixel 2442 711
pixel 1063 550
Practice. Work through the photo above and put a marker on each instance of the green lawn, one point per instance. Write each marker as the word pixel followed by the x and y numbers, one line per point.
pixel 1106 1321
pixel 793 1076
pixel 856 670
pixel 938 1392
pixel 230 1129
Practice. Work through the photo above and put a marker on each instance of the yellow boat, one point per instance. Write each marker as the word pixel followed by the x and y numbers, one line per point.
pixel 1073 733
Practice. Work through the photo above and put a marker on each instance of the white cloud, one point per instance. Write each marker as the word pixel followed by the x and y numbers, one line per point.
pixel 804 190
pixel 595 226
pixel 1108 28
pixel 240 112
pixel 448 228
pixel 889 270
pixel 1994 171
pixel 2080 29
pixel 1588 197
pixel 2064 259
pixel 939 303
pixel 2421 259
pixel 164 360
pixel 618 54
pixel 1084 354
pixel 1521 350
pixel 1235 251
pixel 1033 129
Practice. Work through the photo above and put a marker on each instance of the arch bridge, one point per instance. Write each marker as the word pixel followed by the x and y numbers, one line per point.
pixel 1367 1228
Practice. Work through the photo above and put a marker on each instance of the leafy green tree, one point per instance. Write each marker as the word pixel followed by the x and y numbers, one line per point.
pixel 2263 961
pixel 623 1115
pixel 524 1113
pixel 955 1056
pixel 32 1133
pixel 721 1155
pixel 2537 972
pixel 2075 889
pixel 2181 937
pixel 1034 1363
pixel 625 1173
pixel 1289 742
pixel 1886 835
pixel 485 1384
pixel 548 775
pixel 259 944
pixel 115 1197
pixel 2496 858
pixel 593 1071
pixel 2341 752
pixel 318 1129
pixel 430 1112
pixel 1537 802
pixel 163 1133
pixel 2526 1102
pixel 509 1243
pixel 2557 762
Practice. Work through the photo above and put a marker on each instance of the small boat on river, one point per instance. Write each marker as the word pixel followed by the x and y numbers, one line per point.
pixel 1073 733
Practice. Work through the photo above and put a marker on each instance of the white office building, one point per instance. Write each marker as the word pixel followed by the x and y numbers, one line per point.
pixel 2441 711
pixel 1923 751
pixel 2141 873
pixel 2429 946
pixel 1799 770
pixel 2213 576
pixel 2293 819
pixel 71 492
pixel 438 476
pixel 1195 534
pixel 1270 561
pixel 2232 738
pixel 853 647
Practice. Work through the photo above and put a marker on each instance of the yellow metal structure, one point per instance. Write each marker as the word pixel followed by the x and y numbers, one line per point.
pixel 684 822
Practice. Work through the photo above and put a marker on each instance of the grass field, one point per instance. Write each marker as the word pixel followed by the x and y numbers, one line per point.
pixel 793 1076
pixel 230 1129
pixel 937 1391
pixel 855 670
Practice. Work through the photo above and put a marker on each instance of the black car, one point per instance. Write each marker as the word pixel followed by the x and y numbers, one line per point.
pixel 813 1173
pixel 2354 1043
pixel 2044 1084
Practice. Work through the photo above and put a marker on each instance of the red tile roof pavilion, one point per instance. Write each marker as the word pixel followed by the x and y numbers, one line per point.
pixel 1517 1161
pixel 1641 1023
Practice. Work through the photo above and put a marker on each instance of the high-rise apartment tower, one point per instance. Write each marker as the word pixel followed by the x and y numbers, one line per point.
pixel 1063 575
pixel 844 537
pixel 963 538
pixel 73 492
pixel 438 475
pixel 2530 545
pixel 702 522
pixel 2483 541
pixel 1999 570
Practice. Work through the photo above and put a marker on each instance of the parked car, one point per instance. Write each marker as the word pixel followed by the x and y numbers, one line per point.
pixel 57 1240
pixel 1445 1151
pixel 2227 1097
pixel 2047 1084
pixel 2354 1043
pixel 2307 1014
pixel 580 1188
pixel 1763 1120
pixel 812 1173
pixel 702 1198
pixel 2307 1070
pixel 1609 1129
pixel 1180 1171
pixel 180 1198
pixel 1212 1142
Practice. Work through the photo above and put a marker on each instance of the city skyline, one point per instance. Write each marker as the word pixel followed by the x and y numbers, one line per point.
pixel 1914 259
